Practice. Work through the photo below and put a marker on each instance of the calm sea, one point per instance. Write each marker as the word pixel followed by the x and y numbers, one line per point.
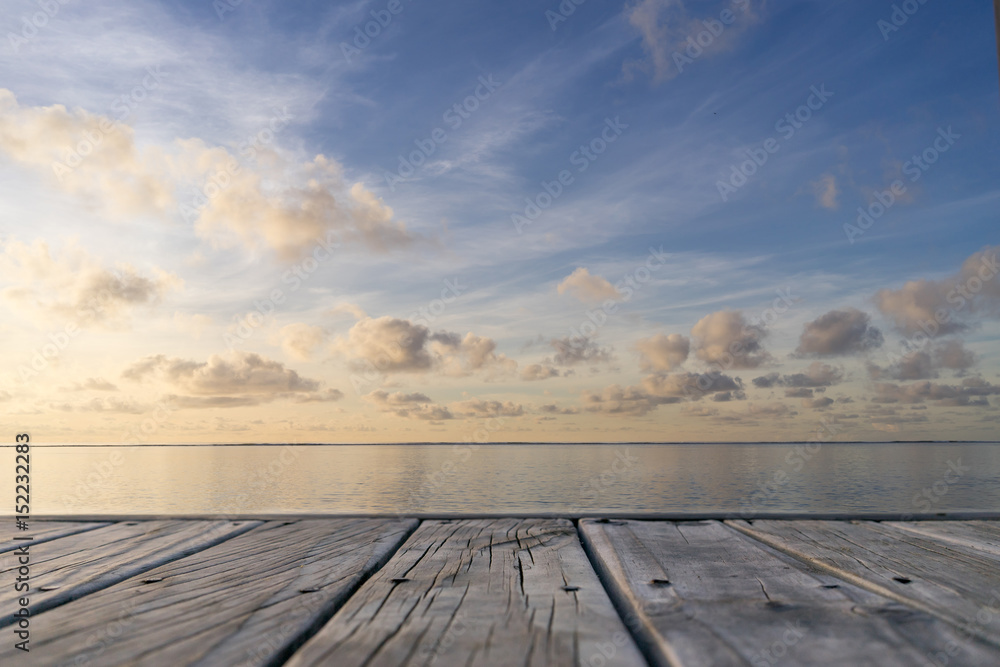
pixel 832 477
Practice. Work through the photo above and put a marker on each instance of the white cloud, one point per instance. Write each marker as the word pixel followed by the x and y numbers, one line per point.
pixel 587 288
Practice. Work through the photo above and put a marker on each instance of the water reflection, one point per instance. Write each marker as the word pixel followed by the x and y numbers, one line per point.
pixel 515 478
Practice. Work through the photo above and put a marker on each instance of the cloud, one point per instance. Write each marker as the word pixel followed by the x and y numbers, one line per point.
pixel 821 403
pixel 538 372
pixel 588 288
pixel 825 190
pixel 269 203
pixel 726 339
pixel 945 306
pixel 554 409
pixel 662 353
pixel 925 364
pixel 476 407
pixel 660 389
pixel 241 373
pixel 301 341
pixel 627 401
pixel 114 405
pixel 91 384
pixel 393 345
pixel 971 391
pixel 573 350
pixel 799 392
pixel 771 410
pixel 74 287
pixel 410 406
pixel 818 374
pixel 352 309
pixel 839 332
pixel 328 396
pixel 666 26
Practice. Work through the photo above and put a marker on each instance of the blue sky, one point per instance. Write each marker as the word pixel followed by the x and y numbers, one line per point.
pixel 200 79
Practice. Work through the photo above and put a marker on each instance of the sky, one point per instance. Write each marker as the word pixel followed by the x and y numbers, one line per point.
pixel 391 221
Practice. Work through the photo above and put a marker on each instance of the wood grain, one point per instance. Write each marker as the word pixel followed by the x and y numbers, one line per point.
pixel 699 593
pixel 73 566
pixel 45 531
pixel 479 592
pixel 247 601
pixel 950 580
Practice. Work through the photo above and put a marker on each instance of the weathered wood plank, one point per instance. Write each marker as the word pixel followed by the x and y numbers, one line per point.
pixel 73 566
pixel 44 531
pixel 247 601
pixel 699 593
pixel 949 580
pixel 980 535
pixel 479 592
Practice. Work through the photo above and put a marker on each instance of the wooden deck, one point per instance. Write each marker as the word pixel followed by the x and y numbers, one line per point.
pixel 506 591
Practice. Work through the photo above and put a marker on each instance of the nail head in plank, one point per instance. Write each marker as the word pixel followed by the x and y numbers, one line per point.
pixel 514 591
pixel 732 601
pixel 238 602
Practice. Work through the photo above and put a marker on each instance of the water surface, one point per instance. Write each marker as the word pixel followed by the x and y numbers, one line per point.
pixel 746 478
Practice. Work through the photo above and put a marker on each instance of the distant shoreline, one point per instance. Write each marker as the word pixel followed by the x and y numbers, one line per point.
pixel 518 443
